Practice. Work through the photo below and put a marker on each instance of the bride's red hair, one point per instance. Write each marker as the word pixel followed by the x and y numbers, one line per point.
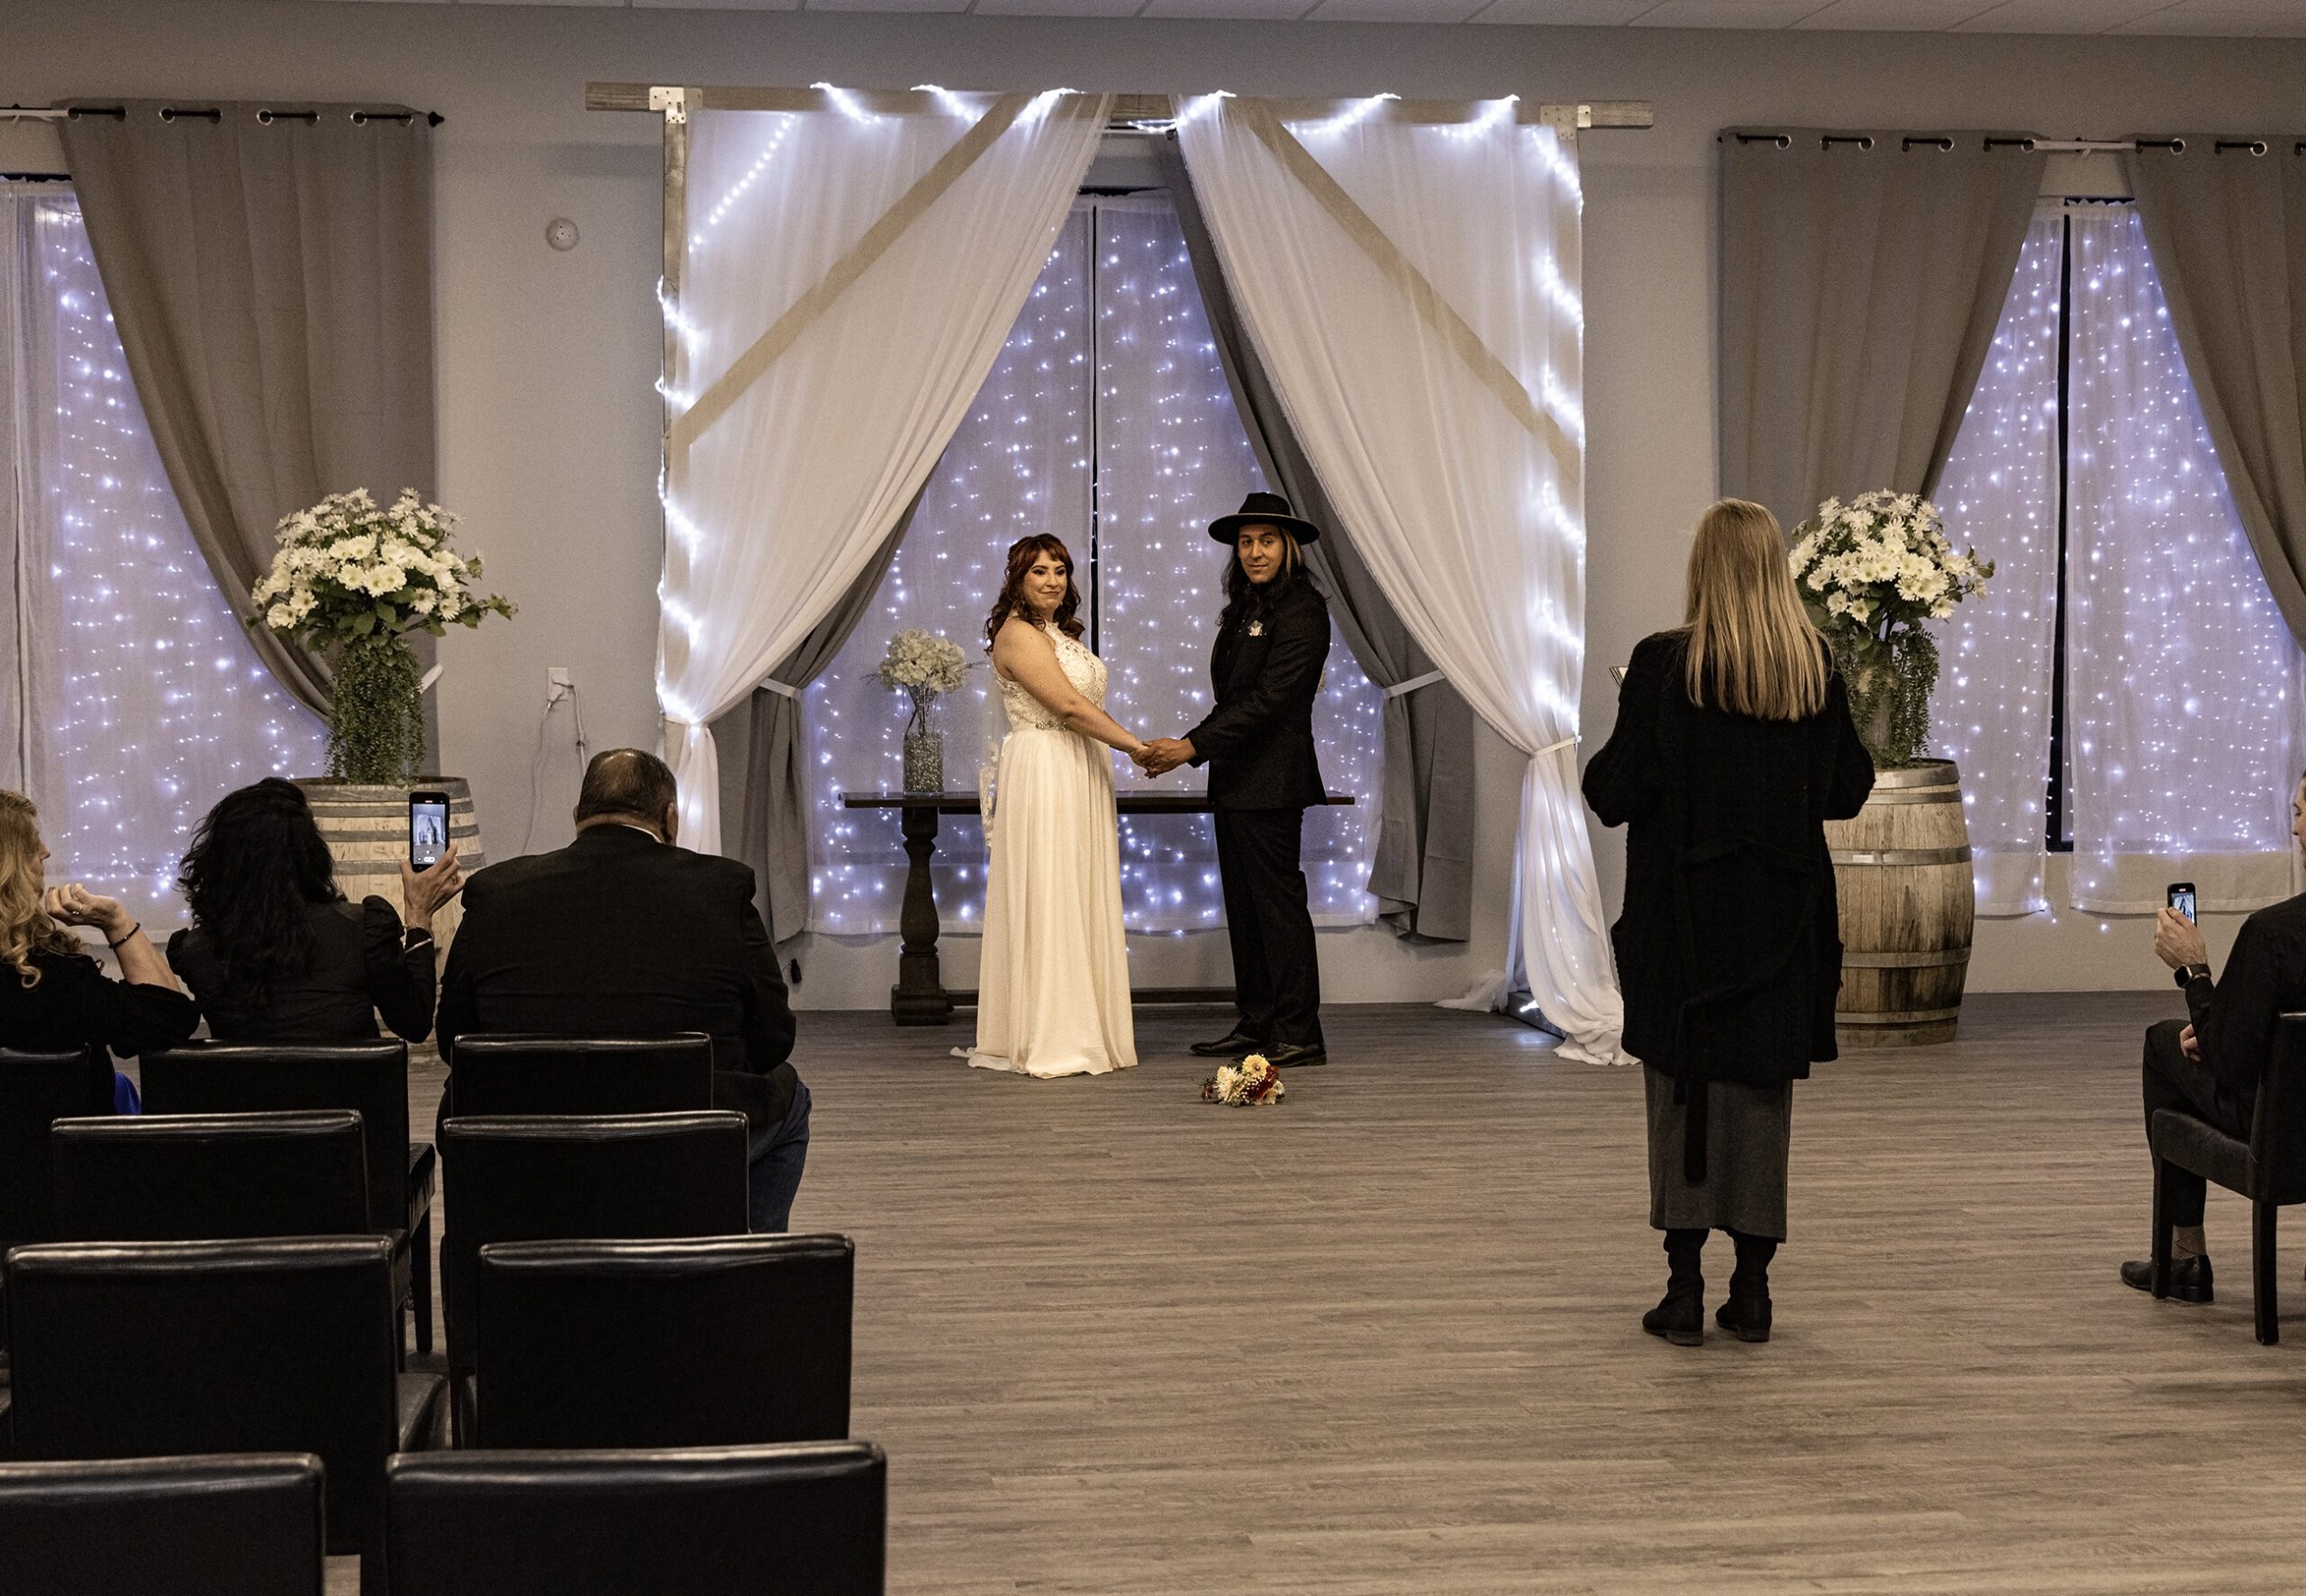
pixel 1022 554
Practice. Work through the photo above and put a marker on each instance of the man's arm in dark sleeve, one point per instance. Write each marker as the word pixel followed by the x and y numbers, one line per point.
pixel 1292 676
pixel 460 1001
pixel 769 1016
pixel 2234 1019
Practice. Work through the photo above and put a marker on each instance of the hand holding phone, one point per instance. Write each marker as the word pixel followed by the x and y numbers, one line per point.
pixel 2181 897
pixel 427 828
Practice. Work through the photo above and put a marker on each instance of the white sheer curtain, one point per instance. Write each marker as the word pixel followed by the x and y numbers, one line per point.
pixel 1992 712
pixel 850 275
pixel 136 700
pixel 2184 686
pixel 1134 379
pixel 1412 288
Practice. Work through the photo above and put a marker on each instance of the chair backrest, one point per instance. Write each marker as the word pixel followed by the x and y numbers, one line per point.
pixel 545 1075
pixel 576 1177
pixel 37 1089
pixel 210 1177
pixel 732 1341
pixel 156 1348
pixel 2278 1124
pixel 248 1525
pixel 739 1521
pixel 369 1077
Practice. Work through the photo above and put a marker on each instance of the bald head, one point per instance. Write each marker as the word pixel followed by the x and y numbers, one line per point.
pixel 626 788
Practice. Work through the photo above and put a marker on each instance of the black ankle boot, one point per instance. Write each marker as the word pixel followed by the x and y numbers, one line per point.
pixel 1746 1314
pixel 1680 1316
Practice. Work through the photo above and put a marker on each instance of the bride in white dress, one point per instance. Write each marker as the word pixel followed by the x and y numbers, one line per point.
pixel 1053 992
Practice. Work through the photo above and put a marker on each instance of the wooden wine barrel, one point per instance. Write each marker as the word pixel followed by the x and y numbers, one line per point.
pixel 367 828
pixel 1901 869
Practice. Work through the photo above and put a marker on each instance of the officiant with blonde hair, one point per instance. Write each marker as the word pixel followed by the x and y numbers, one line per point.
pixel 1733 747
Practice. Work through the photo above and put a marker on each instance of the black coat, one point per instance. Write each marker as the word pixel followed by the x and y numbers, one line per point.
pixel 618 934
pixel 74 1004
pixel 1257 740
pixel 1729 948
pixel 362 965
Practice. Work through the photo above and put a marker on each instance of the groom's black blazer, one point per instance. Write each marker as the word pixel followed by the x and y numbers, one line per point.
pixel 1258 740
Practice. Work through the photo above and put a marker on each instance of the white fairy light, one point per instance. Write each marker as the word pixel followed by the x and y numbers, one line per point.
pixel 1495 115
pixel 719 210
pixel 945 98
pixel 847 104
pixel 1546 142
pixel 138 740
pixel 1557 291
pixel 1353 115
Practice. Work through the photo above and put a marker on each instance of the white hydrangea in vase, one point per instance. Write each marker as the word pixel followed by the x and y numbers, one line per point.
pixel 924 667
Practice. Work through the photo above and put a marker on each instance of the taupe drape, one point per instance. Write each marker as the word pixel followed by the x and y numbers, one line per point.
pixel 1861 277
pixel 772 835
pixel 272 283
pixel 2227 228
pixel 1422 867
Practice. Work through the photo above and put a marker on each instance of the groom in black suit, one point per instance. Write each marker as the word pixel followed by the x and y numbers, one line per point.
pixel 1258 741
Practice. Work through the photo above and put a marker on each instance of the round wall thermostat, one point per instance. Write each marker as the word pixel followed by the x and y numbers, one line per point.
pixel 561 233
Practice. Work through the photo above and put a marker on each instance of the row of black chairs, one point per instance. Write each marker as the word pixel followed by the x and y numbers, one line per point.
pixel 716 1522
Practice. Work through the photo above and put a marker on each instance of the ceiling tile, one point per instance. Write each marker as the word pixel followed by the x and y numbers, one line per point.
pixel 1238 10
pixel 1726 13
pixel 719 4
pixel 2058 17
pixel 1396 11
pixel 1568 13
pixel 1057 7
pixel 1902 16
pixel 602 2
pixel 884 5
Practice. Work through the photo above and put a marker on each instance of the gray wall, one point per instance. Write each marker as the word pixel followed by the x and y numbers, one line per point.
pixel 549 424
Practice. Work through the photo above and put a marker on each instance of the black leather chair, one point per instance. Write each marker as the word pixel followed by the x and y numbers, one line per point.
pixel 246 1524
pixel 370 1078
pixel 2269 1169
pixel 803 1520
pixel 731 1341
pixel 157 1348
pixel 209 1177
pixel 36 1090
pixel 573 1177
pixel 506 1074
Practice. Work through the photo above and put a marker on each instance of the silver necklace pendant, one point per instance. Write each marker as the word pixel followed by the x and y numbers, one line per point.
pixel 1256 629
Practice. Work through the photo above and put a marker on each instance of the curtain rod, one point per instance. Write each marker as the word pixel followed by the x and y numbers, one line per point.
pixel 207 114
pixel 2029 143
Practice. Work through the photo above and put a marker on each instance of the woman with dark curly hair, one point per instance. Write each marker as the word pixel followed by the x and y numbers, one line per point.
pixel 276 954
pixel 53 996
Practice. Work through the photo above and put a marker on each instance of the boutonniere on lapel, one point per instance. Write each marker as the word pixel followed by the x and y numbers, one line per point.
pixel 1256 629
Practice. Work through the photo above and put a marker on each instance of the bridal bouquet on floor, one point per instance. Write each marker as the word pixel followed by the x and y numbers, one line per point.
pixel 1872 573
pixel 354 580
pixel 1246 1084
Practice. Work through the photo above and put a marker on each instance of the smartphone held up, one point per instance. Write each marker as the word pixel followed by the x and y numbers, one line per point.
pixel 427 828
pixel 2181 897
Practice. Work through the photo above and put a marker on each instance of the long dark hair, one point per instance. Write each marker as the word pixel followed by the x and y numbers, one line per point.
pixel 1022 553
pixel 1245 598
pixel 257 862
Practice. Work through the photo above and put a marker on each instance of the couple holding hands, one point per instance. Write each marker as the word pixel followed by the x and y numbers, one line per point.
pixel 1053 991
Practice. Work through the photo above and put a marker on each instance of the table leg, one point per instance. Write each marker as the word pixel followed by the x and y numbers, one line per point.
pixel 919 997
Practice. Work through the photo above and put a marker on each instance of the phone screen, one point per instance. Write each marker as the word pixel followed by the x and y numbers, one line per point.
pixel 2182 899
pixel 427 828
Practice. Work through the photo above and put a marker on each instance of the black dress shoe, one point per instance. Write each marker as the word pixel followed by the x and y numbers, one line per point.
pixel 1231 1045
pixel 2189 1277
pixel 1297 1056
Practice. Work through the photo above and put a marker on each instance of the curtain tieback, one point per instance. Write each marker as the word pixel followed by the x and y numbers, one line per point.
pixel 1555 747
pixel 1399 689
pixel 784 689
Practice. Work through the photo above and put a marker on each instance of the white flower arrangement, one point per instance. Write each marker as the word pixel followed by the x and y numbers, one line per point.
pixel 1253 1083
pixel 1882 560
pixel 922 664
pixel 347 570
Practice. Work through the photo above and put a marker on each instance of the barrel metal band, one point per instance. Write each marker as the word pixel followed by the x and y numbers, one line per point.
pixel 1904 1017
pixel 1914 795
pixel 1924 959
pixel 1904 855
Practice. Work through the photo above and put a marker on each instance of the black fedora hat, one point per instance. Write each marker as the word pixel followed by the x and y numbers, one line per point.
pixel 1270 510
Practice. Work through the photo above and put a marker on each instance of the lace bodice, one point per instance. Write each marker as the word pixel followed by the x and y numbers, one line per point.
pixel 1083 669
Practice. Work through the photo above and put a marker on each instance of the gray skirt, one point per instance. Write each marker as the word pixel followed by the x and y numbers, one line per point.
pixel 1748 1130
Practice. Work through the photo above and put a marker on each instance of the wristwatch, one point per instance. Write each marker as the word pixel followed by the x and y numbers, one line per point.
pixel 2187 974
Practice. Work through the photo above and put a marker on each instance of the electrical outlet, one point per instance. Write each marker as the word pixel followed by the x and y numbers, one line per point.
pixel 557 683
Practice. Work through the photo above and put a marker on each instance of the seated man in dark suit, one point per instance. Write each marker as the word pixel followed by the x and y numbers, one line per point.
pixel 622 933
pixel 2210 1067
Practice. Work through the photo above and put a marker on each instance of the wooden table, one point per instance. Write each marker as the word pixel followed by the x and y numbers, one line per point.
pixel 919 997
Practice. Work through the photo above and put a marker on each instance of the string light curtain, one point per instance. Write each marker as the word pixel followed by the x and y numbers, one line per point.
pixel 139 699
pixel 850 271
pixel 2183 682
pixel 1991 714
pixel 1411 278
pixel 1133 380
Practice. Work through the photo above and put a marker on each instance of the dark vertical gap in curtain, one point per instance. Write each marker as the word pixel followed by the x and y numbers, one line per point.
pixel 1421 861
pixel 272 285
pixel 1861 277
pixel 1097 498
pixel 2059 838
pixel 2225 222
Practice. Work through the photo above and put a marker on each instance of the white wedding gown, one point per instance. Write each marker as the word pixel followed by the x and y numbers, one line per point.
pixel 1053 988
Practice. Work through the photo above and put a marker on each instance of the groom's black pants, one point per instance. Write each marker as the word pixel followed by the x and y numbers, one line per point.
pixel 1276 973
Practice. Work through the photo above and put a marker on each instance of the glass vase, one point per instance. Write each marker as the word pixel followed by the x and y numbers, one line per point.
pixel 924 751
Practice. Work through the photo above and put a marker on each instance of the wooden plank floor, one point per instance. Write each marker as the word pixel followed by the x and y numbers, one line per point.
pixel 1383 1338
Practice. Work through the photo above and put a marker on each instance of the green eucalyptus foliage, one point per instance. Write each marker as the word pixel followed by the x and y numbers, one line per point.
pixel 375 725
